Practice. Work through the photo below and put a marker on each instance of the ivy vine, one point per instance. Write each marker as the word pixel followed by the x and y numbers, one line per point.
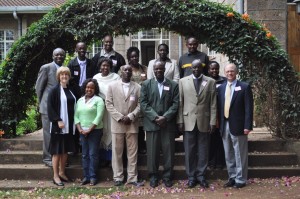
pixel 248 44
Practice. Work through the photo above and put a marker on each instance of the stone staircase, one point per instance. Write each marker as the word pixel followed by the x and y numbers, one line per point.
pixel 21 159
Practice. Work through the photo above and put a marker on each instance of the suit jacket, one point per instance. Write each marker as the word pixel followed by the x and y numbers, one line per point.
pixel 240 111
pixel 120 61
pixel 120 105
pixel 171 72
pixel 152 105
pixel 201 108
pixel 75 74
pixel 45 81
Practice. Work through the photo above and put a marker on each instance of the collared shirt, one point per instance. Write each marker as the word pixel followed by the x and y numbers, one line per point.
pixel 82 65
pixel 160 86
pixel 233 84
pixel 200 77
pixel 125 88
pixel 103 53
pixel 57 66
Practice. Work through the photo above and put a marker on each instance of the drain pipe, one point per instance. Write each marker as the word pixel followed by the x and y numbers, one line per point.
pixel 19 18
pixel 179 47
pixel 241 6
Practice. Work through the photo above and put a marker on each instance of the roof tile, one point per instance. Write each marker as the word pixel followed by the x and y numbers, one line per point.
pixel 31 2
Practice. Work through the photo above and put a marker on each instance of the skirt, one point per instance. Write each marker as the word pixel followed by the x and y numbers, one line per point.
pixel 61 144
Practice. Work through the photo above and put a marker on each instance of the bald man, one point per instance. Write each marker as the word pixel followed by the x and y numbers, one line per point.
pixel 235 110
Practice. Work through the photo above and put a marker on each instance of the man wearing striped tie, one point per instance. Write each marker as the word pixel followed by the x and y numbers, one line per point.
pixel 235 108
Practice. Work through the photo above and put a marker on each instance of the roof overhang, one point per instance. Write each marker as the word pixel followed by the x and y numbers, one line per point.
pixel 25 9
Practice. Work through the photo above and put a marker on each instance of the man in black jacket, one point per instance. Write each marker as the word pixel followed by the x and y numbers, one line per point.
pixel 108 51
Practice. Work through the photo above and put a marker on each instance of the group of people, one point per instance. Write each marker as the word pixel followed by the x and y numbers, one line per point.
pixel 111 108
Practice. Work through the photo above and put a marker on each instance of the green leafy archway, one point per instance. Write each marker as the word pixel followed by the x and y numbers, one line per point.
pixel 246 43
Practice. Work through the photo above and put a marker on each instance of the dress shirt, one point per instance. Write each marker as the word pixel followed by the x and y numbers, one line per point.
pixel 160 86
pixel 82 65
pixel 125 88
pixel 232 87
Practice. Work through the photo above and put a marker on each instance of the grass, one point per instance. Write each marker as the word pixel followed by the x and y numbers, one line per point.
pixel 68 192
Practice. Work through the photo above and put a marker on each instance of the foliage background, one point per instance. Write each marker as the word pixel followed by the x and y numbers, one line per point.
pixel 248 44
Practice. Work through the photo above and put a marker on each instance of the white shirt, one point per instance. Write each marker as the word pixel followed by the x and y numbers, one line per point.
pixel 82 65
pixel 160 86
pixel 233 84
pixel 125 88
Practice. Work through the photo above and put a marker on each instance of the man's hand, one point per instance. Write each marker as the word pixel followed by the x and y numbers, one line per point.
pixel 161 121
pixel 126 120
pixel 246 131
pixel 212 128
pixel 61 124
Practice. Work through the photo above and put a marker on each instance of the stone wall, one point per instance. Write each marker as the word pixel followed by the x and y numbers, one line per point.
pixel 272 13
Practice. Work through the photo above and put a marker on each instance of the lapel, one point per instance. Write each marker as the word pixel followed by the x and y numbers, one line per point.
pixel 190 81
pixel 235 93
pixel 203 84
pixel 164 92
pixel 130 90
pixel 155 87
pixel 168 67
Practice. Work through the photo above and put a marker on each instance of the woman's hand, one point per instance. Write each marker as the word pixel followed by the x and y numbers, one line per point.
pixel 61 124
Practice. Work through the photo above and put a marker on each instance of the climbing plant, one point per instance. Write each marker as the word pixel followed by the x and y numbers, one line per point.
pixel 248 44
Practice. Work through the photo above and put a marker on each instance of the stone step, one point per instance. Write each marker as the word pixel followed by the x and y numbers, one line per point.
pixel 41 172
pixel 255 159
pixel 37 145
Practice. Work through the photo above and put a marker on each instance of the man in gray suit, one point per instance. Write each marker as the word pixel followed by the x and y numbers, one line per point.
pixel 45 81
pixel 159 105
pixel 197 118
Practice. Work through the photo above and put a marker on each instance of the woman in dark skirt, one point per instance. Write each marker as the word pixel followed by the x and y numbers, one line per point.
pixel 216 149
pixel 61 106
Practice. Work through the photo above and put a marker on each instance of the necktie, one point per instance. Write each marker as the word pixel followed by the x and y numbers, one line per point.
pixel 197 86
pixel 227 100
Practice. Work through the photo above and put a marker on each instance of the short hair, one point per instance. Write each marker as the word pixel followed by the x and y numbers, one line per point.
pixel 108 35
pixel 156 61
pixel 62 69
pixel 83 87
pixel 213 62
pixel 189 37
pixel 163 44
pixel 130 50
pixel 104 59
pixel 236 68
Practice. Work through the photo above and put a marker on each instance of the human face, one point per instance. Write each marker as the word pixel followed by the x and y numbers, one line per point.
pixel 197 68
pixel 126 73
pixel 105 68
pixel 159 70
pixel 163 52
pixel 59 56
pixel 81 50
pixel 108 43
pixel 134 58
pixel 231 72
pixel 90 89
pixel 64 78
pixel 192 45
pixel 213 70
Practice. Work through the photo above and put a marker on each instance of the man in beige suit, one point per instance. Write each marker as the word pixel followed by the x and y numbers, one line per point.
pixel 122 101
pixel 197 118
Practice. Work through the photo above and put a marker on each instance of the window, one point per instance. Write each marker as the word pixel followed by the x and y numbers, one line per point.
pixel 148 40
pixel 6 41
pixel 96 47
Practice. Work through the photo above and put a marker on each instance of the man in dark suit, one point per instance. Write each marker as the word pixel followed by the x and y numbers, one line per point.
pixel 46 80
pixel 108 51
pixel 81 69
pixel 197 118
pixel 159 104
pixel 235 108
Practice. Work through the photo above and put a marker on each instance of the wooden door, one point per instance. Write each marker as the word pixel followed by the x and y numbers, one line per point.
pixel 294 36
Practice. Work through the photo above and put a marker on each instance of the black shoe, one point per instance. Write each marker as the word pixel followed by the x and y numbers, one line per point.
pixel 192 183
pixel 239 185
pixel 64 179
pixel 58 183
pixel 93 182
pixel 230 183
pixel 136 183
pixel 118 183
pixel 203 183
pixel 168 182
pixel 85 181
pixel 153 183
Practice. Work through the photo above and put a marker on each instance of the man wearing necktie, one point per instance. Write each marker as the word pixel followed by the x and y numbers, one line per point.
pixel 235 108
pixel 197 119
pixel 159 105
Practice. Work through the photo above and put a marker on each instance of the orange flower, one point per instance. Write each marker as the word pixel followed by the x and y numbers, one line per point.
pixel 230 14
pixel 269 34
pixel 246 17
pixel 1 133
